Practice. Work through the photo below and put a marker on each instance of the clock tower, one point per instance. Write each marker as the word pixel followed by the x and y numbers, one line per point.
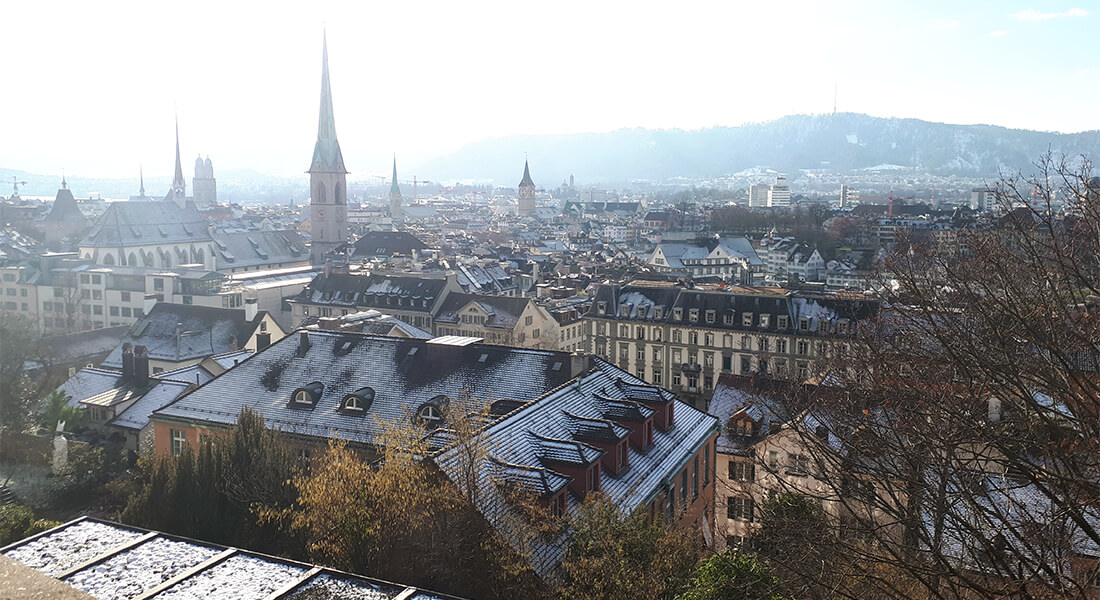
pixel 328 186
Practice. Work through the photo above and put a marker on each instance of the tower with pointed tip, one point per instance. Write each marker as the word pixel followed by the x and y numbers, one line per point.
pixel 327 177
pixel 526 192
pixel 397 212
pixel 178 191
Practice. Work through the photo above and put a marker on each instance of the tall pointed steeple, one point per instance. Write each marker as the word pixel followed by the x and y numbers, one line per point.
pixel 178 192
pixel 526 181
pixel 526 192
pixel 397 212
pixel 141 181
pixel 327 179
pixel 326 152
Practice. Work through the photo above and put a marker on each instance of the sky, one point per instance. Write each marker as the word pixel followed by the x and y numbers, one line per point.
pixel 94 87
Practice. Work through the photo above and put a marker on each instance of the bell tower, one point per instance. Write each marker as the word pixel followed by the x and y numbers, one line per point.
pixel 328 186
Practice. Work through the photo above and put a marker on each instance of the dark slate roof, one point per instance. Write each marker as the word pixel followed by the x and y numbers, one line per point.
pixel 89 382
pixel 404 373
pixel 255 248
pixel 376 290
pixel 386 243
pixel 147 223
pixel 206 331
pixel 83 344
pixel 108 560
pixel 64 209
pixel 160 393
pixel 734 395
pixel 519 441
pixel 504 311
pixel 822 310
pixel 104 387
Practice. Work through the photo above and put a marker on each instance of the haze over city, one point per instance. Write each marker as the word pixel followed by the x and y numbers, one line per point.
pixel 95 89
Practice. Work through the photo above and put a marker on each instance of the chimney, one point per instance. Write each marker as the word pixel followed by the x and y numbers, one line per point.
pixel 72 372
pixel 578 364
pixel 127 362
pixel 150 301
pixel 303 343
pixel 263 340
pixel 251 309
pixel 141 365
pixel 232 343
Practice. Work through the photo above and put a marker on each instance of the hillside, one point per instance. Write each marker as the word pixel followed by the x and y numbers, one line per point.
pixel 840 142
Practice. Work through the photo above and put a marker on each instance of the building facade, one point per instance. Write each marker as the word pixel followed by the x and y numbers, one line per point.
pixel 328 186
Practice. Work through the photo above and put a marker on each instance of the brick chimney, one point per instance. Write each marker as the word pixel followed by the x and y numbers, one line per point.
pixel 141 365
pixel 578 364
pixel 127 361
pixel 303 343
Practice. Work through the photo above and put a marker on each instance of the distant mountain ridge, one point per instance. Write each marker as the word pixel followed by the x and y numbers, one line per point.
pixel 840 142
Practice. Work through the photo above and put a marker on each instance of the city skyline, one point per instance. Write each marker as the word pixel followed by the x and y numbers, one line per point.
pixel 424 80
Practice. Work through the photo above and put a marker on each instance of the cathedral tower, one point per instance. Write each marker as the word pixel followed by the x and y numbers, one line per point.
pixel 526 193
pixel 327 178
pixel 397 212
pixel 204 186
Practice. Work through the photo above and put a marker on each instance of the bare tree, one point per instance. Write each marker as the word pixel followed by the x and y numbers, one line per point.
pixel 957 442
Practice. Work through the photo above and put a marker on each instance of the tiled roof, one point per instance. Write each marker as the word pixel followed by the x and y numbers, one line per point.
pixel 385 243
pixel 404 374
pixel 205 331
pixel 520 441
pixel 147 223
pixel 375 290
pixel 108 560
pixel 257 248
pixel 503 311
pixel 161 393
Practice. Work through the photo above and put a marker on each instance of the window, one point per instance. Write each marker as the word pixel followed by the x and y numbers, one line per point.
pixel 746 342
pixel 656 378
pixel 530 319
pixel 781 321
pixel 23 292
pixel 84 294
pixel 658 312
pixel 695 478
pixel 708 339
pixel 431 414
pixel 303 397
pixel 97 279
pixel 763 344
pixel 126 312
pixel 97 294
pixel 727 363
pixel 179 440
pixel 773 459
pixel 764 320
pixel 710 316
pixel 84 278
pixel 624 331
pixel 114 311
pixel 656 334
pixel 706 464
pixel 58 292
pixel 739 508
pixel 684 486
pixel 693 337
pixel 677 336
pixel 708 359
pixel 781 346
pixel 742 471
pixel 677 314
pixel 799 465
pixel 641 333
pixel 802 348
pixel 187 300
pixel 693 314
pixel 742 427
pixel 803 324
pixel 746 365
pixel 640 354
pixel 601 307
pixel 746 319
pixel 158 284
pixel 125 296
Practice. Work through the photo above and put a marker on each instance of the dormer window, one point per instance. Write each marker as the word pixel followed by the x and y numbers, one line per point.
pixel 746 319
pixel 693 314
pixel 658 312
pixel 710 316
pixel 678 314
pixel 764 319
pixel 307 396
pixel 624 310
pixel 842 326
pixel 727 318
pixel 803 324
pixel 601 307
pixel 358 401
pixel 781 321
pixel 431 414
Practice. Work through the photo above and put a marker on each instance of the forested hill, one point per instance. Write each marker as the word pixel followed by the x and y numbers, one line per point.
pixel 839 142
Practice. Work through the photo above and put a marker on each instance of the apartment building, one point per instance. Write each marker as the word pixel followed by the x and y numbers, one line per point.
pixel 683 339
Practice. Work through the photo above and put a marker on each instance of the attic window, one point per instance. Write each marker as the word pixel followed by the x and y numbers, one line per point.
pixel 359 401
pixel 308 395
pixel 601 307
pixel 556 366
pixel 483 358
pixel 746 319
pixel 624 310
pixel 430 414
pixel 678 314
pixel 764 320
pixel 658 312
pixel 781 321
pixel 412 352
pixel 710 316
pixel 693 314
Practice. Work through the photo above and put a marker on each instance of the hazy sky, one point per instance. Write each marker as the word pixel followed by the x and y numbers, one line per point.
pixel 92 87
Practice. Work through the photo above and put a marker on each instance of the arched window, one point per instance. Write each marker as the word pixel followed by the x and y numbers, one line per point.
pixel 146 258
pixel 108 259
pixel 358 401
pixel 339 196
pixel 431 414
pixel 308 395
pixel 320 193
pixel 303 397
pixel 201 256
pixel 132 261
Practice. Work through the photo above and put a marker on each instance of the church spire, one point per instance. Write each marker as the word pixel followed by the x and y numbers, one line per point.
pixel 394 189
pixel 178 179
pixel 326 153
pixel 141 180
pixel 526 181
